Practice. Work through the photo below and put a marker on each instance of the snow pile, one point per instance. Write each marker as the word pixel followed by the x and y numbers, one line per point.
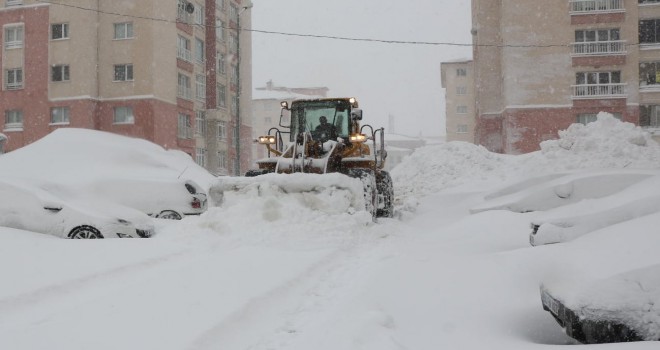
pixel 71 154
pixel 605 143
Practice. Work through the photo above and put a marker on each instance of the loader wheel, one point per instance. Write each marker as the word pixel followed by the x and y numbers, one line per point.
pixel 368 179
pixel 385 195
pixel 256 172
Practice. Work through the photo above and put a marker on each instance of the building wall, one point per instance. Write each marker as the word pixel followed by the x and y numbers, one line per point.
pixel 526 67
pixel 91 93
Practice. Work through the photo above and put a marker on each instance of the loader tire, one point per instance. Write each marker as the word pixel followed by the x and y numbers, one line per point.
pixel 368 178
pixel 256 172
pixel 385 195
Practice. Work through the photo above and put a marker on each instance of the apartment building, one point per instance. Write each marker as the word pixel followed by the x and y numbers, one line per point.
pixel 458 81
pixel 540 66
pixel 167 71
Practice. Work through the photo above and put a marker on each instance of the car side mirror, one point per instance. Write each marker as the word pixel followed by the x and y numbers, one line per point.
pixel 285 118
pixel 356 114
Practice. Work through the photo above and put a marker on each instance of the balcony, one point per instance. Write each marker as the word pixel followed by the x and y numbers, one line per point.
pixel 602 48
pixel 184 54
pixel 598 91
pixel 581 7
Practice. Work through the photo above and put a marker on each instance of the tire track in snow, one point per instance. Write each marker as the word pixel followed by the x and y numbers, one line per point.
pixel 309 291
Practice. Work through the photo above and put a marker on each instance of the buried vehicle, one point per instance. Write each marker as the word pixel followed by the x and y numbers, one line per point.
pixel 323 138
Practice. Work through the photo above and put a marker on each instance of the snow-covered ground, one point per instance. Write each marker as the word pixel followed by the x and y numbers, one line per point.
pixel 275 272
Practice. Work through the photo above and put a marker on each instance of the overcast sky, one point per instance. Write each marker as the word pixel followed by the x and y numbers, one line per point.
pixel 388 79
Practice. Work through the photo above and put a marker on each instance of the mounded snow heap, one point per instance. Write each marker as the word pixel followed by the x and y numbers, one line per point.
pixel 99 154
pixel 605 143
pixel 433 168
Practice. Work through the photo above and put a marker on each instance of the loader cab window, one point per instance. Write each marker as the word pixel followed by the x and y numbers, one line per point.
pixel 306 116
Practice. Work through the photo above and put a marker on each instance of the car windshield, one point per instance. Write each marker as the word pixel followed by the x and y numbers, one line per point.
pixel 306 116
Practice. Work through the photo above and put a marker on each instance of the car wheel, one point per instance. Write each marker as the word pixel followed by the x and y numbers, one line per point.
pixel 169 215
pixel 85 232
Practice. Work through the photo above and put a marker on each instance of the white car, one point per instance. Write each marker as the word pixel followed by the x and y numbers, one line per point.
pixel 29 207
pixel 161 198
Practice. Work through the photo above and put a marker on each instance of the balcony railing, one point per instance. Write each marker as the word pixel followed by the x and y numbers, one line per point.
pixel 601 48
pixel 588 91
pixel 184 54
pixel 596 6
pixel 16 44
pixel 184 92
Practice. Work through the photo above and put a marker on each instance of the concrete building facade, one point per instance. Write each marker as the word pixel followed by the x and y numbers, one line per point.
pixel 168 73
pixel 458 81
pixel 540 66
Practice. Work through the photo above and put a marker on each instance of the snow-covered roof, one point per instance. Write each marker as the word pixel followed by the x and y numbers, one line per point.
pixel 279 95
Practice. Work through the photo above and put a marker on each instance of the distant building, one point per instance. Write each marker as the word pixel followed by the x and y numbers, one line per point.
pixel 398 147
pixel 540 66
pixel 266 109
pixel 458 80
pixel 165 71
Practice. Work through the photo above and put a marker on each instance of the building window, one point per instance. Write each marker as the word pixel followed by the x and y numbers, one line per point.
pixel 14 79
pixel 199 15
pixel 200 156
pixel 586 118
pixel 649 1
pixel 123 72
pixel 14 37
pixel 59 31
pixel 233 43
pixel 234 75
pixel 181 14
pixel 185 127
pixel 268 120
pixel 199 50
pixel 649 31
pixel 183 49
pixel 222 63
pixel 461 90
pixel 183 87
pixel 59 115
pixel 598 42
pixel 200 123
pixel 461 129
pixel 219 29
pixel 200 87
pixel 234 105
pixel 649 73
pixel 649 116
pixel 233 12
pixel 222 95
pixel 222 130
pixel 123 115
pixel 59 72
pixel 220 5
pixel 461 72
pixel 9 3
pixel 461 109
pixel 124 30
pixel 14 120
pixel 222 160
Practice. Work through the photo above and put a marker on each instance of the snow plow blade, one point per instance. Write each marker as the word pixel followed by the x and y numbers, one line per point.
pixel 333 193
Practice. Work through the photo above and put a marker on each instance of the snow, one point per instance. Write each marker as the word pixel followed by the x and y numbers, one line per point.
pixel 281 272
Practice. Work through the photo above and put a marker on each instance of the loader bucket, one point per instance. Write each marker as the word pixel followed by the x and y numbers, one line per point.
pixel 332 193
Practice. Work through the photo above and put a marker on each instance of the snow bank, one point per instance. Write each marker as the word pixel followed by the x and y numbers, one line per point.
pixel 604 144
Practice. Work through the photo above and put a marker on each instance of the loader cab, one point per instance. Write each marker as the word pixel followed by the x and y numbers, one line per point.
pixel 306 116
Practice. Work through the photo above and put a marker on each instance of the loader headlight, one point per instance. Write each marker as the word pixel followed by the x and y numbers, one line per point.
pixel 267 140
pixel 353 101
pixel 359 138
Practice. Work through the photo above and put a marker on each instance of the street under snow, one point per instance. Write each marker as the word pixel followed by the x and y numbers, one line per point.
pixel 276 272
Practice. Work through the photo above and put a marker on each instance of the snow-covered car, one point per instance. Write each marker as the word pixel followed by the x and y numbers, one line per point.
pixel 552 192
pixel 28 207
pixel 568 222
pixel 605 287
pixel 161 198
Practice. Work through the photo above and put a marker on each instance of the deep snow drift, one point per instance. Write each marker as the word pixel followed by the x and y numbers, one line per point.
pixel 275 272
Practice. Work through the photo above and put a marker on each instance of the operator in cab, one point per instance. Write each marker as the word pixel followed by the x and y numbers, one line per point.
pixel 325 130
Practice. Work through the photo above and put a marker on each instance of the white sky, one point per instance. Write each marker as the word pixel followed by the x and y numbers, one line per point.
pixel 396 79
